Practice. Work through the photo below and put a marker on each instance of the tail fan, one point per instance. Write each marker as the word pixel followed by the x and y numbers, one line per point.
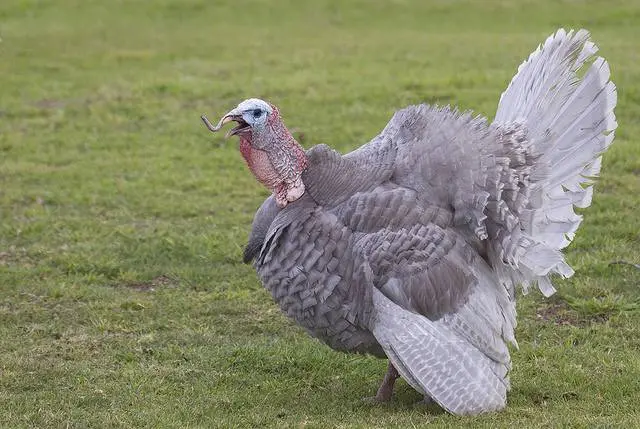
pixel 562 98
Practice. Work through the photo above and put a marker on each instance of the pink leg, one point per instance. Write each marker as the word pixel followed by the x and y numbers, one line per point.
pixel 386 387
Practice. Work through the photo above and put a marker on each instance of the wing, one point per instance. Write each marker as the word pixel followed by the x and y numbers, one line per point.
pixel 440 313
pixel 433 272
pixel 441 316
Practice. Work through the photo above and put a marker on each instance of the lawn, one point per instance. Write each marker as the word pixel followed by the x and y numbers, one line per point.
pixel 123 299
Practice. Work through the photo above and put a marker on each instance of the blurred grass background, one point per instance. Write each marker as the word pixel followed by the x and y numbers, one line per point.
pixel 123 300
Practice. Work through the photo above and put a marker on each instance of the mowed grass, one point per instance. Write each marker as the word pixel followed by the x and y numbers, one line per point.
pixel 123 299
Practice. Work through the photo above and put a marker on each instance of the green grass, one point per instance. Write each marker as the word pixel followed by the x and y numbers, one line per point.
pixel 123 301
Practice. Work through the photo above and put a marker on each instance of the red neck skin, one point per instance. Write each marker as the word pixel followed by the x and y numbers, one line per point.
pixel 275 158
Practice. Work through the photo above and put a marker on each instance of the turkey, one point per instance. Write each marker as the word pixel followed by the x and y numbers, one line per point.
pixel 411 247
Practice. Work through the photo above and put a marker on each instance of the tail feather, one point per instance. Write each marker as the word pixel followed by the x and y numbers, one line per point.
pixel 569 119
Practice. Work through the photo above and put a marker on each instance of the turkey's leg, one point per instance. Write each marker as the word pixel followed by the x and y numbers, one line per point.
pixel 386 387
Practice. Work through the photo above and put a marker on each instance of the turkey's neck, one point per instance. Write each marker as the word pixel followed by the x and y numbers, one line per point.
pixel 276 159
pixel 281 138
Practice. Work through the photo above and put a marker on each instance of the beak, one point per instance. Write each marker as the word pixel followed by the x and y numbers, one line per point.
pixel 233 115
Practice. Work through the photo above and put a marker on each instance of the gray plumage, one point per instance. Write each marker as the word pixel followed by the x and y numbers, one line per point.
pixel 411 246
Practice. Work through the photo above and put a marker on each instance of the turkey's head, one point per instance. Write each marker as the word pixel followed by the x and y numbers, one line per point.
pixel 274 157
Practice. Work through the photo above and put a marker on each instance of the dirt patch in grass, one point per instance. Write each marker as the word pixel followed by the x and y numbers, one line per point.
pixel 558 311
pixel 49 103
pixel 15 256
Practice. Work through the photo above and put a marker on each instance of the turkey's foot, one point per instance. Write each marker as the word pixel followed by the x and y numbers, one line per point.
pixel 385 391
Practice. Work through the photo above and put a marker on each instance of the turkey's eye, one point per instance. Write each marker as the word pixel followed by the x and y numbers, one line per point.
pixel 257 113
